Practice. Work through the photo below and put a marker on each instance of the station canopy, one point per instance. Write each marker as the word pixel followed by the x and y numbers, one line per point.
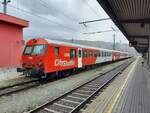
pixel 133 18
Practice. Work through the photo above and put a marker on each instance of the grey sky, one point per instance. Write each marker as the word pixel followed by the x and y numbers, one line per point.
pixel 60 18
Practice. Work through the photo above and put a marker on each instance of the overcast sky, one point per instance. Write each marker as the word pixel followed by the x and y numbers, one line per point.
pixel 60 18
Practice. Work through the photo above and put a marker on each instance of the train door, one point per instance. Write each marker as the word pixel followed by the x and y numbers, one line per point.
pixel 79 57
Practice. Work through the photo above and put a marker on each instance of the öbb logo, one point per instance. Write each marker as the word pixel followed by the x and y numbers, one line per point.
pixel 59 62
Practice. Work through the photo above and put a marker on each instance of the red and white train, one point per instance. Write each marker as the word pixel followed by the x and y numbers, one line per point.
pixel 43 56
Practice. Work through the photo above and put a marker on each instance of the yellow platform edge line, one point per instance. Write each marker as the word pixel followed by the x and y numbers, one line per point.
pixel 110 107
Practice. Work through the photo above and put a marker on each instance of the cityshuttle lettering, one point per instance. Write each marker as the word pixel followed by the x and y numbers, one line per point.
pixel 59 62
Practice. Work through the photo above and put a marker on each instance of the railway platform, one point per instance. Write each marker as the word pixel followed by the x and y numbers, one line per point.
pixel 136 95
pixel 129 93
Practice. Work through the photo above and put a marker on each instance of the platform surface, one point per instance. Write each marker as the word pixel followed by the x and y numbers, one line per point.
pixel 136 95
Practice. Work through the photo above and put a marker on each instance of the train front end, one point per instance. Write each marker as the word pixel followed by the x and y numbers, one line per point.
pixel 33 57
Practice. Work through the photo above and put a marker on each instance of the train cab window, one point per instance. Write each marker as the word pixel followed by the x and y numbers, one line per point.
pixel 39 49
pixel 56 51
pixel 72 53
pixel 28 50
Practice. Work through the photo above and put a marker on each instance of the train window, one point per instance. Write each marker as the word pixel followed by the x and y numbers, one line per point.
pixel 95 54
pixel 56 51
pixel 39 49
pixel 98 54
pixel 28 50
pixel 84 54
pixel 80 54
pixel 72 53
pixel 103 53
pixel 90 54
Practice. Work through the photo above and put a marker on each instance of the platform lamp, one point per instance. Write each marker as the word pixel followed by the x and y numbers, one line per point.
pixel 5 2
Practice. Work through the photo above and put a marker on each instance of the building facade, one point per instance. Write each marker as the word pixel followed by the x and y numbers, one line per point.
pixel 11 40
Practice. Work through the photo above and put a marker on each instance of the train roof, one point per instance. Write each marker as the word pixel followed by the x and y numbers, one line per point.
pixel 77 45
pixel 42 40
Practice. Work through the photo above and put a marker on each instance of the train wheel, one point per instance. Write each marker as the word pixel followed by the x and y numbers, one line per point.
pixel 67 73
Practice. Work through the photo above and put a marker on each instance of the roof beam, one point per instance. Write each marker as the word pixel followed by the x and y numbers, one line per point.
pixel 144 20
pixel 143 44
pixel 109 10
pixel 138 36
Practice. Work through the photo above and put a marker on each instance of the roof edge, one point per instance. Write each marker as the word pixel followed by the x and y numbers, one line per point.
pixel 13 20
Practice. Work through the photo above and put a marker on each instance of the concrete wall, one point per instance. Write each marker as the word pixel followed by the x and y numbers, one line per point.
pixel 11 47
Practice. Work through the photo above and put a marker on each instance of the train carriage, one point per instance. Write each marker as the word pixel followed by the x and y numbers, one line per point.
pixel 42 56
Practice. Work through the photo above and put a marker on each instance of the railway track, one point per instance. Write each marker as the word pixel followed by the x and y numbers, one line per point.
pixel 73 101
pixel 22 86
pixel 18 87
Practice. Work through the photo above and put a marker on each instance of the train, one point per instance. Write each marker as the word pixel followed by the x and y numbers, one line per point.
pixel 44 57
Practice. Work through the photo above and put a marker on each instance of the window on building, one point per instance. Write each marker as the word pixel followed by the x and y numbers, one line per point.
pixel 56 51
pixel 72 53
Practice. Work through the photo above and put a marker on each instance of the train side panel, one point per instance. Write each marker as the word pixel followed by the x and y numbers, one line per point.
pixel 59 57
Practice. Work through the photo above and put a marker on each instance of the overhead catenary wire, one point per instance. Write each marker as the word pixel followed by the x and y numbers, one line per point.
pixel 98 32
pixel 87 4
pixel 44 4
pixel 34 14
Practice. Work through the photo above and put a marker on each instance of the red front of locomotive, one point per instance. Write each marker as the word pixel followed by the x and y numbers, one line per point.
pixel 33 56
pixel 42 56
